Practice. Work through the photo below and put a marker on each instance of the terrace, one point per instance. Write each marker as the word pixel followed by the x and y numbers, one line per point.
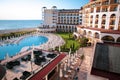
pixel 28 65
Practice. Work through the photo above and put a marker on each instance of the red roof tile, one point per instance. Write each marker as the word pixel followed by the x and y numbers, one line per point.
pixel 101 30
pixel 42 73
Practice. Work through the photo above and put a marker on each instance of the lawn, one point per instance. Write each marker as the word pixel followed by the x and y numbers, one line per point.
pixel 70 42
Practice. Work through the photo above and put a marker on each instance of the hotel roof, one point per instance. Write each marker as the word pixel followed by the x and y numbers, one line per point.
pixel 101 30
pixel 42 73
pixel 69 10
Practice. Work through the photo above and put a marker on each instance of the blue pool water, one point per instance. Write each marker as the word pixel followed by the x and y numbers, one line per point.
pixel 12 49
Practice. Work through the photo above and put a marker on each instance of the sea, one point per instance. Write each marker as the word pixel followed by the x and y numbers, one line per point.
pixel 18 24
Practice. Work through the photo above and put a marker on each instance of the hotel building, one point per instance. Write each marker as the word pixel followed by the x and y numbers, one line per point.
pixel 65 20
pixel 101 23
pixel 68 19
pixel 101 20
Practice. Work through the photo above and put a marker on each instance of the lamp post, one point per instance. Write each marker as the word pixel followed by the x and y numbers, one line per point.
pixel 59 49
pixel 60 74
pixel 32 58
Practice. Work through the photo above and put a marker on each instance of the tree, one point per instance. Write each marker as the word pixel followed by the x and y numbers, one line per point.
pixel 83 42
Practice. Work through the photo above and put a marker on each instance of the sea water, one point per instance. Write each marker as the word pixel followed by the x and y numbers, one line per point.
pixel 18 24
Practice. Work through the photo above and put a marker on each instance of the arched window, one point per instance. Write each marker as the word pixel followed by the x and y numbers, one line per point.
pixel 112 21
pixel 103 21
pixel 113 16
pixel 89 33
pixel 63 27
pixel 96 20
pixel 104 16
pixel 84 33
pixel 66 27
pixel 96 35
pixel 97 16
pixel 96 26
pixel 91 16
pixel 108 39
pixel 118 39
pixel 103 27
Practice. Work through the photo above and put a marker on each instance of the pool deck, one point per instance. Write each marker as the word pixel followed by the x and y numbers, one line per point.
pixel 53 41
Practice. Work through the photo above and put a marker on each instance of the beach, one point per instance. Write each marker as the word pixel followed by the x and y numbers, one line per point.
pixel 16 30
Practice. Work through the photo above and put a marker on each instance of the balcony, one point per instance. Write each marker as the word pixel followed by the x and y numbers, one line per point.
pixel 96 26
pixel 112 23
pixel 92 11
pixel 103 27
pixel 105 3
pixel 104 10
pixel 111 27
pixel 54 19
pixel 103 24
pixel 96 23
pixel 114 2
pixel 96 18
pixel 113 8
pixel 119 27
pixel 113 18
pixel 98 11
pixel 103 18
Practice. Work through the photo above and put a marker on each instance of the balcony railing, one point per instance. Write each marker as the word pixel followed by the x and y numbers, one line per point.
pixel 111 28
pixel 115 9
pixel 115 2
pixel 113 18
pixel 98 11
pixel 105 3
pixel 104 10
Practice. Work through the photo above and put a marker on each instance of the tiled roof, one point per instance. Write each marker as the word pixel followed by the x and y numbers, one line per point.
pixel 101 30
pixel 42 73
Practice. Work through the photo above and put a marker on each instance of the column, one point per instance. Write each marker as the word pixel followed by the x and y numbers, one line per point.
pixel 46 77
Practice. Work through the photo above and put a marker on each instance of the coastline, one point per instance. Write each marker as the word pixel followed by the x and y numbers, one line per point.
pixel 16 30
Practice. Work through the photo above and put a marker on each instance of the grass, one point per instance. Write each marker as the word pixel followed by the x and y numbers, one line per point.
pixel 70 42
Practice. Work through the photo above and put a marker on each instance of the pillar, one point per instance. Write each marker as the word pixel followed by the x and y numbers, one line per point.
pixel 46 77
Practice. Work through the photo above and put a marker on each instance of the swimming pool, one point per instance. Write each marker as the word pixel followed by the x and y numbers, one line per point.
pixel 13 49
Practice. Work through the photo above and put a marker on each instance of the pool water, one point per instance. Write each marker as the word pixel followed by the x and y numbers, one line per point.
pixel 13 49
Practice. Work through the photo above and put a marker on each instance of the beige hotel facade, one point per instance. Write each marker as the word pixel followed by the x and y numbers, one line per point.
pixel 97 20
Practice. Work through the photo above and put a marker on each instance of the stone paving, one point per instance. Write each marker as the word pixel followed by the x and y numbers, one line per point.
pixel 84 66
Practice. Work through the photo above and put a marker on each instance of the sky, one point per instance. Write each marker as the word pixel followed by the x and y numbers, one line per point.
pixel 32 9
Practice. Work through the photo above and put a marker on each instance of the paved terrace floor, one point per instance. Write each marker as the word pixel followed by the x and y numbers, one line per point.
pixel 71 73
pixel 42 73
pixel 84 67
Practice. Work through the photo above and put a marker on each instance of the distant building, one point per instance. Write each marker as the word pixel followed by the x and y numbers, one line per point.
pixel 49 16
pixel 65 20
pixel 101 20
pixel 68 19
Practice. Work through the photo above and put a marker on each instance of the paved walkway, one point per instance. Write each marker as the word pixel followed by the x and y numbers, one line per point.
pixel 84 67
